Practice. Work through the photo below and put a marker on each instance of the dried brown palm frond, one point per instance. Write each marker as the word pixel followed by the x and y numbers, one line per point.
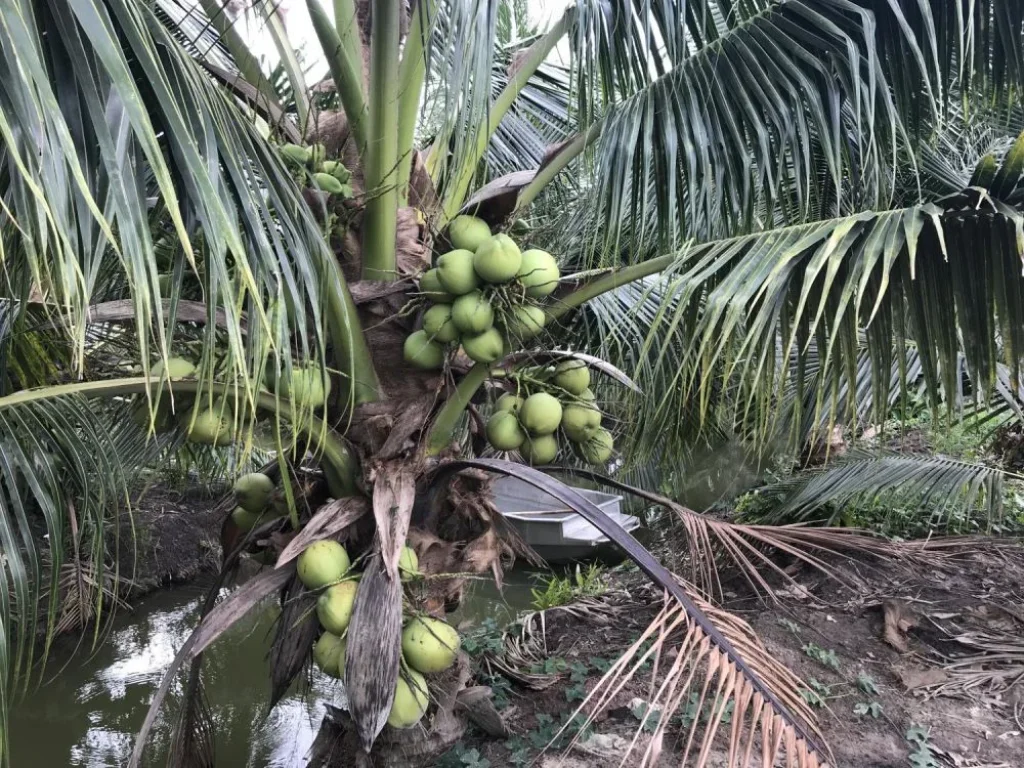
pixel 992 662
pixel 715 544
pixel 687 662
pixel 714 648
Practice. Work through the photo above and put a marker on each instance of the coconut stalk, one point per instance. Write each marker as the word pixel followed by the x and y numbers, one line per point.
pixel 346 22
pixel 381 155
pixel 345 70
pixel 411 74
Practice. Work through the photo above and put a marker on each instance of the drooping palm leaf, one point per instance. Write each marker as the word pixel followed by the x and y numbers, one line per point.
pixel 710 658
pixel 939 487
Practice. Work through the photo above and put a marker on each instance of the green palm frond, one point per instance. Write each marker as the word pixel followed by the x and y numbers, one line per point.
pixel 940 489
pixel 102 164
pixel 66 465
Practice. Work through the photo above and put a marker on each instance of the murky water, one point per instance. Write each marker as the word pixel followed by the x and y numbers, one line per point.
pixel 88 711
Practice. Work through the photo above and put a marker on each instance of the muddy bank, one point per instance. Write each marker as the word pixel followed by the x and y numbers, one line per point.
pixel 901 666
pixel 176 539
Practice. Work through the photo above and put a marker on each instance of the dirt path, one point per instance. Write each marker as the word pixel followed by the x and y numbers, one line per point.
pixel 881 702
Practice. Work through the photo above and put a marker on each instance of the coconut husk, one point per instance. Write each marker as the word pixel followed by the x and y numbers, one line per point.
pixel 297 629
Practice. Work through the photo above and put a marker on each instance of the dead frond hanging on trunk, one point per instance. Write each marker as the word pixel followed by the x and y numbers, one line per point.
pixel 297 629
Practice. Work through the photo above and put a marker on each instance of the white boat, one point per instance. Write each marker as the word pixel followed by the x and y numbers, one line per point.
pixel 553 530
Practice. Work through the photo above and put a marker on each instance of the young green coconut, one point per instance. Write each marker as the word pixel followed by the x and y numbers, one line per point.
pixel 509 402
pixel 411 700
pixel 539 449
pixel 408 564
pixel 245 519
pixel 472 313
pixel 208 427
pixel 538 273
pixel 438 325
pixel 430 645
pixel 541 414
pixel 498 259
pixel 322 563
pixel 468 232
pixel 504 432
pixel 306 386
pixel 329 654
pixel 525 322
pixel 430 286
pixel 573 376
pixel 486 347
pixel 423 352
pixel 177 368
pixel 598 447
pixel 456 274
pixel 334 606
pixel 254 491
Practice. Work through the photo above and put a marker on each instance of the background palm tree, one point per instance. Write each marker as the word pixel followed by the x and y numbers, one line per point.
pixel 760 187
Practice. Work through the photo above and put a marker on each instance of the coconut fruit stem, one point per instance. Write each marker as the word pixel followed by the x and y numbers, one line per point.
pixel 448 417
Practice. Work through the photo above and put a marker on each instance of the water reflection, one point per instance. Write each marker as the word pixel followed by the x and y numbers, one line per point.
pixel 89 709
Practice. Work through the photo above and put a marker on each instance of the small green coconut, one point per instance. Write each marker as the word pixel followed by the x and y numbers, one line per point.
pixel 245 519
pixel 423 352
pixel 539 449
pixel 429 645
pixel 337 170
pixel 317 154
pixel 253 491
pixel 598 449
pixel 526 322
pixel 296 154
pixel 455 271
pixel 322 563
pixel 504 432
pixel 411 700
pixel 328 183
pixel 511 403
pixel 538 273
pixel 485 347
pixel 177 368
pixel 329 654
pixel 306 386
pixel 468 232
pixel 334 606
pixel 579 421
pixel 498 259
pixel 437 322
pixel 472 313
pixel 430 286
pixel 408 564
pixel 541 414
pixel 164 421
pixel 209 427
pixel 572 376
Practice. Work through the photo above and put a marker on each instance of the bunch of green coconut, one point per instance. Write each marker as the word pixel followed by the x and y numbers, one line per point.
pixel 330 176
pixel 209 421
pixel 483 295
pixel 429 645
pixel 561 405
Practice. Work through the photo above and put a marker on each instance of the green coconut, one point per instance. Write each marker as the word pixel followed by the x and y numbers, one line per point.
pixel 455 271
pixel 253 491
pixel 539 449
pixel 411 700
pixel 504 432
pixel 177 368
pixel 572 376
pixel 511 403
pixel 498 259
pixel 468 232
pixel 209 426
pixel 408 564
pixel 305 386
pixel 579 421
pixel 437 322
pixel 485 347
pixel 334 606
pixel 245 519
pixel 423 352
pixel 296 154
pixel 337 170
pixel 541 414
pixel 322 563
pixel 526 322
pixel 598 449
pixel 538 273
pixel 328 183
pixel 430 286
pixel 472 313
pixel 429 645
pixel 164 421
pixel 317 154
pixel 329 654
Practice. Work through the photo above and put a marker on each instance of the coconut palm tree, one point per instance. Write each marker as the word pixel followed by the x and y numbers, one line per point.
pixel 733 186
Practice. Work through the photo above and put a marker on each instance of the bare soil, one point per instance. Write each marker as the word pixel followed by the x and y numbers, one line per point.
pixel 947 610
